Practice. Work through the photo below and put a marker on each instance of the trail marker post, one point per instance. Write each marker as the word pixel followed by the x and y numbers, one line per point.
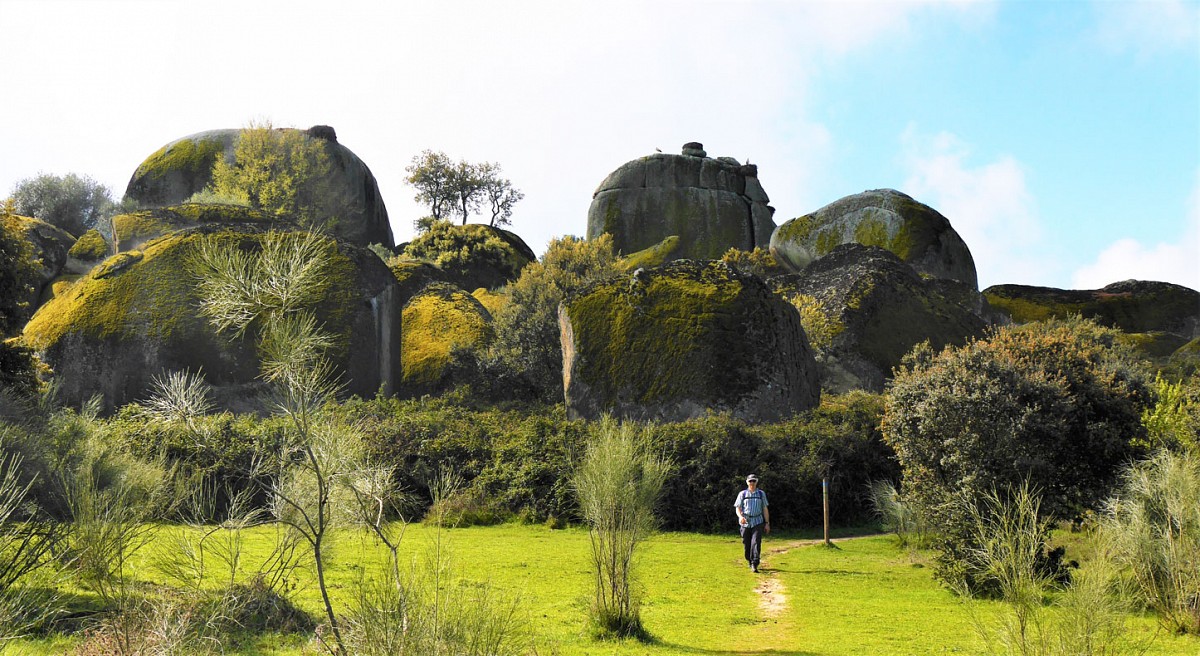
pixel 825 502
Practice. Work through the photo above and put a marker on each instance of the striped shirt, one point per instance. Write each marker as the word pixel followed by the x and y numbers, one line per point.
pixel 752 505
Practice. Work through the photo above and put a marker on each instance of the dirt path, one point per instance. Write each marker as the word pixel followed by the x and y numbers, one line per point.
pixel 772 599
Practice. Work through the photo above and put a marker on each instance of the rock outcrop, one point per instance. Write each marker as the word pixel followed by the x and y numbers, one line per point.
pixel 473 255
pixel 913 231
pixel 132 230
pixel 712 205
pixel 674 342
pixel 1159 318
pixel 438 320
pixel 136 316
pixel 870 309
pixel 1134 306
pixel 184 167
pixel 50 245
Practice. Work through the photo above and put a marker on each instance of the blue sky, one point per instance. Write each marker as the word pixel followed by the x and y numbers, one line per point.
pixel 1061 139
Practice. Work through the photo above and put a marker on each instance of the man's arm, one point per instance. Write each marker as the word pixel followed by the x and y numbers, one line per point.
pixel 737 507
pixel 766 519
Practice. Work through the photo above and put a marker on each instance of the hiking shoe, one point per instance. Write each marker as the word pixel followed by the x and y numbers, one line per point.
pixel 754 568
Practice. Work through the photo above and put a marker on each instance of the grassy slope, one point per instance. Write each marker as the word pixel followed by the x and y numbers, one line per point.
pixel 865 597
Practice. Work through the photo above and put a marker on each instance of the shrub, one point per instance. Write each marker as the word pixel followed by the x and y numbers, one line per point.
pixel 1154 524
pixel 759 262
pixel 1054 404
pixel 1174 420
pixel 17 270
pixel 618 482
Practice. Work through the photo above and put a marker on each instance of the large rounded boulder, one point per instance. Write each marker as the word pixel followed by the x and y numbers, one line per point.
pixel 913 231
pixel 440 321
pixel 136 315
pixel 674 342
pixel 472 255
pixel 50 247
pixel 184 167
pixel 712 205
pixel 867 309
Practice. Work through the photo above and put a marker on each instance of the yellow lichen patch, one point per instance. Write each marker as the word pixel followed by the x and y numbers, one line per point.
pixel 62 284
pixel 434 324
pixel 91 246
pixel 818 326
pixel 490 300
pixel 656 255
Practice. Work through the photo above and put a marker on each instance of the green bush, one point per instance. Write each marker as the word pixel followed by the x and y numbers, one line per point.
pixel 1055 405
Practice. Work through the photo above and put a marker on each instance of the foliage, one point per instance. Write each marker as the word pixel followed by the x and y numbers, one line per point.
pixel 17 269
pixel 1053 403
pixel 1154 524
pixel 466 254
pixel 819 327
pixel 71 202
pixel 446 187
pixel 618 482
pixel 281 172
pixel 1009 534
pixel 759 262
pixel 526 356
pixel 898 516
pixel 1174 420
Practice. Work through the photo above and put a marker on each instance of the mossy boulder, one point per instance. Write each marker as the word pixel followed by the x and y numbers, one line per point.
pixel 656 255
pixel 183 167
pixel 136 315
pixel 913 231
pixel 675 342
pixel 875 308
pixel 50 245
pixel 132 230
pixel 1134 306
pixel 473 255
pixel 413 275
pixel 438 321
pixel 89 249
pixel 710 204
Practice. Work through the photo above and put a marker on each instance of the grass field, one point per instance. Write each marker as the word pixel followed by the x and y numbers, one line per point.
pixel 866 596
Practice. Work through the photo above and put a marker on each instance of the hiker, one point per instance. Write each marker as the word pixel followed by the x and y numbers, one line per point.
pixel 753 519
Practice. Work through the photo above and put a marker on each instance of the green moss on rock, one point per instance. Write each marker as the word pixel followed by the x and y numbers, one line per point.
pixel 437 321
pixel 656 255
pixel 91 246
pixel 177 170
pixel 1132 306
pixel 136 228
pixel 674 341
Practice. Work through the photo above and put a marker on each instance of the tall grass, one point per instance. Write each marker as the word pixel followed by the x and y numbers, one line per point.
pixel 1154 523
pixel 618 483
pixel 897 515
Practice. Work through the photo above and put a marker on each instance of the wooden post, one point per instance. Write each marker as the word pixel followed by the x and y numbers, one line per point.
pixel 825 500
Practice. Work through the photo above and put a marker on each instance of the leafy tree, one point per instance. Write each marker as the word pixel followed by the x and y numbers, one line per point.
pixel 1053 404
pixel 71 202
pixel 281 172
pixel 446 186
pixel 499 194
pixel 527 352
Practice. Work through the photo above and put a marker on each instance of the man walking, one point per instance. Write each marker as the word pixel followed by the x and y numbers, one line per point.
pixel 753 519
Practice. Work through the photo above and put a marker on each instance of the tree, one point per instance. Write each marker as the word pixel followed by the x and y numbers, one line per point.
pixel 271 294
pixel 499 194
pixel 282 172
pixel 71 202
pixel 18 368
pixel 445 186
pixel 528 349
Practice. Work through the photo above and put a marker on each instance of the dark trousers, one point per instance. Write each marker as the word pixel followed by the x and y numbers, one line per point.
pixel 752 541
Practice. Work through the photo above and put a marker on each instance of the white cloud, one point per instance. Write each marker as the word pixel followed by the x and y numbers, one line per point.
pixel 1128 258
pixel 1148 27
pixel 988 204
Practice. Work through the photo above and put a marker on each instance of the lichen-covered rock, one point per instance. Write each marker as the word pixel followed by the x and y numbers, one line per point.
pixel 132 230
pixel 875 308
pixel 50 245
pixel 438 320
pixel 712 205
pixel 184 167
pixel 913 231
pixel 473 255
pixel 413 275
pixel 87 252
pixel 1133 306
pixel 674 342
pixel 136 316
pixel 656 255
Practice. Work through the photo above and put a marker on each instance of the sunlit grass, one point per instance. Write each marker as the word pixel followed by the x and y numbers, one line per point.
pixel 866 596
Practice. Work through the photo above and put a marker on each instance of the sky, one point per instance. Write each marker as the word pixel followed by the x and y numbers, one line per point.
pixel 1061 139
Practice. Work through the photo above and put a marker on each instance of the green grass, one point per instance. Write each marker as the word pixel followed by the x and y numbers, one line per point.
pixel 866 596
